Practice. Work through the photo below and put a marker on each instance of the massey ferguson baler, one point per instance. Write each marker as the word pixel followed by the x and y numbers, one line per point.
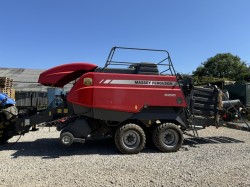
pixel 144 100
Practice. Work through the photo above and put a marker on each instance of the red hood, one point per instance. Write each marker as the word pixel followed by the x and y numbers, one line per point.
pixel 63 74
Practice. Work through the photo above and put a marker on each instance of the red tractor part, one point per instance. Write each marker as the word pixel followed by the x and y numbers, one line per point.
pixel 63 74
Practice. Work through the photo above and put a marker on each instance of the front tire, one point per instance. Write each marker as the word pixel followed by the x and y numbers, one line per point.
pixel 167 137
pixel 130 139
pixel 66 138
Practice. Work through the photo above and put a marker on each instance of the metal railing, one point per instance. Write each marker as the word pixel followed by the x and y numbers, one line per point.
pixel 165 62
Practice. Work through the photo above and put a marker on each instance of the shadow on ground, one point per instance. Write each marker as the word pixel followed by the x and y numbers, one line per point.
pixel 51 148
pixel 192 141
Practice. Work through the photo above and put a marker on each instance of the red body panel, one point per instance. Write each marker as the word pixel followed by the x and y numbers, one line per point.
pixel 126 92
pixel 63 74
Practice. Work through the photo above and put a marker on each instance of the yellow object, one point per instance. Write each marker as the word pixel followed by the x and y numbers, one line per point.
pixel 65 111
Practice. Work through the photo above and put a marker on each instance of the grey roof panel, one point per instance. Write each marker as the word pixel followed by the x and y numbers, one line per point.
pixel 26 79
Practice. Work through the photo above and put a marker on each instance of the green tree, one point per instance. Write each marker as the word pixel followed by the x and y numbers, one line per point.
pixel 224 65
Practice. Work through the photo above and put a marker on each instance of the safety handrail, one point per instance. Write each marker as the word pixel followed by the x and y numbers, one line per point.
pixel 169 65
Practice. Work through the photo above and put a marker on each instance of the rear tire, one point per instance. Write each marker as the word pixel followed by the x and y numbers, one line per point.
pixel 130 139
pixel 167 137
pixel 66 138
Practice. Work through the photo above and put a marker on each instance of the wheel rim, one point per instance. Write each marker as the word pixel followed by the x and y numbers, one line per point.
pixel 66 140
pixel 169 138
pixel 131 139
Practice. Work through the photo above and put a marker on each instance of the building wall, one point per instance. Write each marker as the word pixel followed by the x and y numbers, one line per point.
pixel 28 92
pixel 37 99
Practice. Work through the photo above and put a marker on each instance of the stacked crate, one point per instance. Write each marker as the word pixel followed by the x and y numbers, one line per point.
pixel 6 87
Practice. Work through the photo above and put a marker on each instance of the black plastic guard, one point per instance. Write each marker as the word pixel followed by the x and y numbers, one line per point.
pixel 79 128
pixel 169 114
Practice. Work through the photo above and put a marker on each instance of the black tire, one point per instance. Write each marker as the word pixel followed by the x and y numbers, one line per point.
pixel 167 137
pixel 130 139
pixel 66 138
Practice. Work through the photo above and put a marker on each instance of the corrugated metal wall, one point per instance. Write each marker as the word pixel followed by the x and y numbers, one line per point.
pixel 248 95
pixel 38 99
pixel 239 91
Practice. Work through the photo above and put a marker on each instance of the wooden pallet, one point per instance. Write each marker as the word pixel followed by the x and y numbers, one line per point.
pixel 5 82
pixel 8 91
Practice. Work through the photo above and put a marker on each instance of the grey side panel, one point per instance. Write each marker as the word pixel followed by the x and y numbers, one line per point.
pixel 111 115
pixel 150 113
pixel 163 113
pixel 82 110
pixel 102 114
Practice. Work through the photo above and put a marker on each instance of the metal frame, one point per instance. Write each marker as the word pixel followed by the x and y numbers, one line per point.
pixel 169 65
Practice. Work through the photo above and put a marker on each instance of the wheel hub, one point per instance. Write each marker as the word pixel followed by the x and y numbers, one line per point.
pixel 66 139
pixel 170 137
pixel 131 139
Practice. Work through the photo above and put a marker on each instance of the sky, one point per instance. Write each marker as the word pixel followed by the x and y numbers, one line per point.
pixel 40 34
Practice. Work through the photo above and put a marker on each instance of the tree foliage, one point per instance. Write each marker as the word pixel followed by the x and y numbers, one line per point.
pixel 223 65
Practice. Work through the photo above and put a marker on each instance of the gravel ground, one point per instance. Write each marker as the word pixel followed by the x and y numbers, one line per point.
pixel 220 158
